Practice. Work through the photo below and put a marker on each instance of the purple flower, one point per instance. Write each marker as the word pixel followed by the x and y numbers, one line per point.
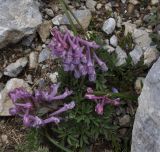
pixel 27 105
pixel 99 108
pixel 101 63
pixel 75 52
pixel 66 107
pixel 18 94
pixel 101 101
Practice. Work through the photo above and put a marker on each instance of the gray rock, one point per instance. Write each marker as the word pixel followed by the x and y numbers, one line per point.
pixel 109 26
pixel 129 28
pixel 109 48
pixel 27 41
pixel 44 55
pixel 119 21
pixel 154 2
pixel 91 4
pixel 33 60
pixel 13 69
pixel 150 55
pixel 108 7
pixel 121 56
pixel 84 17
pixel 4 139
pixel 134 2
pixel 18 19
pixel 49 12
pixel 146 129
pixel 53 77
pixel 57 19
pixel 44 30
pixel 114 41
pixel 99 6
pixel 136 54
pixel 141 38
pixel 5 101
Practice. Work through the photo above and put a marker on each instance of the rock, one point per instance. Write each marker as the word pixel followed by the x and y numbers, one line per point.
pixel 57 19
pixel 129 28
pixel 138 22
pixel 123 1
pixel 13 69
pixel 114 41
pixel 150 55
pixel 125 120
pixel 49 12
pixel 99 6
pixel 53 77
pixel 136 54
pixel 44 55
pixel 4 139
pixel 33 60
pixel 146 129
pixel 119 21
pixel 29 79
pixel 27 41
pixel 134 2
pixel 5 101
pixel 141 38
pixel 139 85
pixel 109 26
pixel 108 7
pixel 154 2
pixel 109 48
pixel 84 17
pixel 44 30
pixel 18 23
pixel 91 4
pixel 121 56
pixel 130 9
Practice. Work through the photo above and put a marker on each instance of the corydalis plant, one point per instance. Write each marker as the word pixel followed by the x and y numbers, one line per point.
pixel 26 105
pixel 101 101
pixel 78 55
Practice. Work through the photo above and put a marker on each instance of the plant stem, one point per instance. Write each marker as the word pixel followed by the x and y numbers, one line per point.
pixel 73 16
pixel 56 143
pixel 68 16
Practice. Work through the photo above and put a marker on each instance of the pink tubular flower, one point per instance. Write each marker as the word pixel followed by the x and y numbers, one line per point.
pixel 77 55
pixel 101 101
pixel 27 105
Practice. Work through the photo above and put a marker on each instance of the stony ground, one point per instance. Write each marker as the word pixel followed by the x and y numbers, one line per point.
pixel 125 28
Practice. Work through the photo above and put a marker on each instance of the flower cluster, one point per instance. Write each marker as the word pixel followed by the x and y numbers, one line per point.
pixel 101 100
pixel 26 105
pixel 78 55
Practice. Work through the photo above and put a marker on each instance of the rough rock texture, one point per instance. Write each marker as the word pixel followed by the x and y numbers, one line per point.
pixel 84 17
pixel 18 18
pixel 91 4
pixel 146 130
pixel 141 38
pixel 136 54
pixel 13 69
pixel 5 101
pixel 150 55
pixel 109 26
pixel 121 56
pixel 44 30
